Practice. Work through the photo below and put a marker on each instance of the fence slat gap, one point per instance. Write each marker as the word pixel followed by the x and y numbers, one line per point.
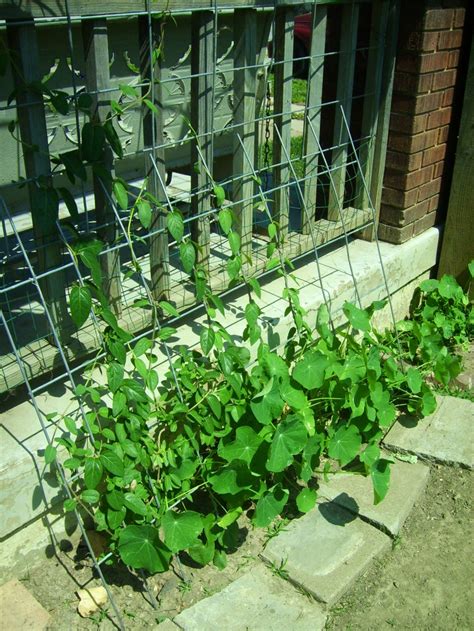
pixel 345 84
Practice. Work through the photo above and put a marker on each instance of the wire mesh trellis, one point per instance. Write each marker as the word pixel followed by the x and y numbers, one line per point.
pixel 206 124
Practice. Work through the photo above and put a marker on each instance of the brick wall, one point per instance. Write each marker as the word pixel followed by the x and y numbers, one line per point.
pixel 426 86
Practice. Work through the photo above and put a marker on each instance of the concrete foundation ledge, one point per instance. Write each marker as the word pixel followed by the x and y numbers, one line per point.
pixel 28 490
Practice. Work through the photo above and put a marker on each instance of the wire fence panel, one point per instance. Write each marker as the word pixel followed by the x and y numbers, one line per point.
pixel 181 112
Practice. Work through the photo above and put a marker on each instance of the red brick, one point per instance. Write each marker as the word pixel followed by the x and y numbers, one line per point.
pixel 397 217
pixel 395 235
pixel 408 62
pixel 404 161
pixel 433 203
pixel 450 40
pixel 444 79
pixel 423 224
pixel 408 124
pixel 439 118
pixel 407 181
pixel 400 199
pixel 428 190
pixel 443 134
pixel 412 143
pixel 412 83
pixel 459 17
pixel 433 155
pixel 453 59
pixel 438 170
pixel 437 19
pixel 417 105
pixel 431 62
pixel 448 97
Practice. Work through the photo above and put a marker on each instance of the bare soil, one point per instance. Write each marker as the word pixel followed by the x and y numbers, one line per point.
pixel 425 582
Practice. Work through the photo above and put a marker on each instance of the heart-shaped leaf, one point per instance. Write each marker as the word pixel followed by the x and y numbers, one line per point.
pixel 140 548
pixel 181 530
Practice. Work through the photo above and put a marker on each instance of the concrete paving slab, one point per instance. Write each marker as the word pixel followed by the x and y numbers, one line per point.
pixel 355 493
pixel 445 436
pixel 257 601
pixel 326 550
pixel 20 610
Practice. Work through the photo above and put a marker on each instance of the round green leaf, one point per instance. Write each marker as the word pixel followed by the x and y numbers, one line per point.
pixel 306 500
pixel 175 225
pixel 244 447
pixel 93 470
pixel 90 496
pixel 181 529
pixel 358 318
pixel 309 371
pixel 140 548
pixel 270 505
pixel 414 379
pixel 345 444
pixel 80 304
pixel 289 439
pixel 187 254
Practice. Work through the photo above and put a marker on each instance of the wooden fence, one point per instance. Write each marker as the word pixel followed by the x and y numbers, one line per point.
pixel 211 106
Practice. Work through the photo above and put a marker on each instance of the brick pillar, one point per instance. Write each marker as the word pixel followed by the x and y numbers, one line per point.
pixel 431 35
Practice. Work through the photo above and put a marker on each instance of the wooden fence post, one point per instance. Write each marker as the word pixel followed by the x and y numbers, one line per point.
pixel 96 56
pixel 23 43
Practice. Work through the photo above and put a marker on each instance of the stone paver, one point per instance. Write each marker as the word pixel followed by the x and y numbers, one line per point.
pixel 19 610
pixel 326 550
pixel 446 436
pixel 355 492
pixel 257 601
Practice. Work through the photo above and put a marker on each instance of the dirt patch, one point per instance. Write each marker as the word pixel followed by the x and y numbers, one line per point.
pixel 426 580
pixel 55 582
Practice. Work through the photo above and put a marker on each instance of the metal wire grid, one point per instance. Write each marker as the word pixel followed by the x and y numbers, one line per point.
pixel 27 286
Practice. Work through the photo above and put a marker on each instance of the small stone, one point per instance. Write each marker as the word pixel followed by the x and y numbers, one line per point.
pixel 90 600
pixel 20 610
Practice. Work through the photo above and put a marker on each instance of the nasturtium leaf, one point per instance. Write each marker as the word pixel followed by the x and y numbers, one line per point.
pixel 49 454
pixel 296 399
pixel 267 405
pixel 93 470
pixel 181 530
pixel 380 474
pixel 270 505
pixel 119 402
pixel 140 548
pixel 114 375
pixel 219 193
pixel 116 517
pixel 358 318
pixel 323 320
pixel 244 447
pixel 202 553
pixel 225 220
pixel 234 242
pixel 187 254
pixel 112 462
pixel 207 338
pixel 370 455
pixel 428 402
pixel 306 500
pixel 274 365
pixel 289 439
pixel 232 479
pixel 220 559
pixel 135 504
pixel 144 213
pixel 175 225
pixel 309 371
pixel 80 304
pixel 121 194
pixel 345 444
pixel 90 496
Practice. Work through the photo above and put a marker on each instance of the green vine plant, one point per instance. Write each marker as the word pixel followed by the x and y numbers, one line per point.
pixel 167 465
